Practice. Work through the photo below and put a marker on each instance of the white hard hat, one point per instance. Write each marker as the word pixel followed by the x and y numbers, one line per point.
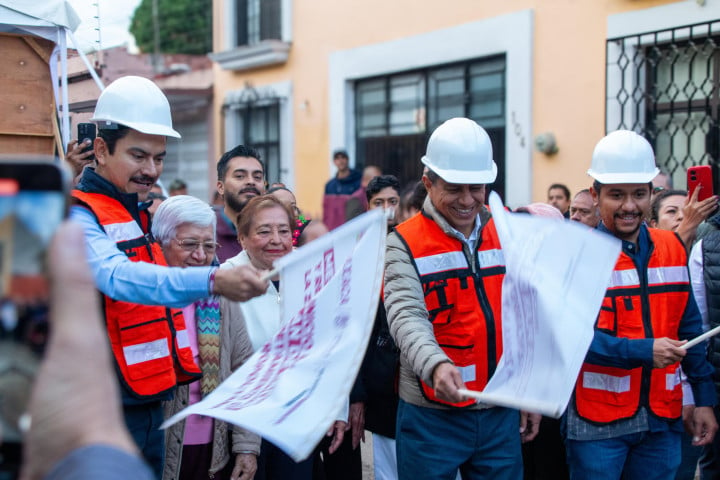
pixel 459 151
pixel 623 157
pixel 135 102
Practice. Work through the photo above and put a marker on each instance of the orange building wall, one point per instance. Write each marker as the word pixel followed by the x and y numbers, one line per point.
pixel 568 65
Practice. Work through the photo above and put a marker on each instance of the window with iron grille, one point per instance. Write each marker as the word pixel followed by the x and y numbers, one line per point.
pixel 664 85
pixel 258 20
pixel 259 127
pixel 395 114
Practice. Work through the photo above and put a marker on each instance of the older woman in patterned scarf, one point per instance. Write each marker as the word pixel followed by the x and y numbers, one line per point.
pixel 198 447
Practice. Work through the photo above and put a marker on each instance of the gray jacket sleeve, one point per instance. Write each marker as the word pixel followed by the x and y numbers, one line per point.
pixel 406 312
pixel 236 343
pixel 100 461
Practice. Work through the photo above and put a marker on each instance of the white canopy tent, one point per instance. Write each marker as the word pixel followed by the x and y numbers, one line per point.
pixel 53 20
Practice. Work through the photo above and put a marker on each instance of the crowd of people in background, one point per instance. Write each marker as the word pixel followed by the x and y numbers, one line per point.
pixel 166 262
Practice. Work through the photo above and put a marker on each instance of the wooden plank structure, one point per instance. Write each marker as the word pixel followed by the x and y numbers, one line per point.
pixel 28 118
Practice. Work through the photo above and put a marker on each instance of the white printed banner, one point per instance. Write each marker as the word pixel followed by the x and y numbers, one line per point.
pixel 292 390
pixel 556 277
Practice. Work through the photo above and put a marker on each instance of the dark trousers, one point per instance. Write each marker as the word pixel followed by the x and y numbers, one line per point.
pixel 274 464
pixel 710 458
pixel 143 422
pixel 344 464
pixel 689 460
pixel 544 457
pixel 433 443
pixel 196 461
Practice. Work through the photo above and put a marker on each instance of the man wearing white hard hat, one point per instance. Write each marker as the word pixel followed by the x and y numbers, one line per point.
pixel 443 279
pixel 142 297
pixel 625 417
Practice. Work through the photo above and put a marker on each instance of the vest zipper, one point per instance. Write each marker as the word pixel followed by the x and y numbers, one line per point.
pixel 148 245
pixel 647 324
pixel 487 311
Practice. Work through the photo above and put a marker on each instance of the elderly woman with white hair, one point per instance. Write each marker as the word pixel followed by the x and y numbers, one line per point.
pixel 198 446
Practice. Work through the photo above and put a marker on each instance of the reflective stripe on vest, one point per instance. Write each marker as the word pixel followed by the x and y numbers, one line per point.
pixel 182 338
pixel 467 373
pixel 635 310
pixel 464 307
pixel 672 380
pixel 664 275
pixel 144 352
pixel 656 276
pixel 491 258
pixel 442 262
pixel 609 383
pixel 446 262
pixel 124 231
pixel 185 367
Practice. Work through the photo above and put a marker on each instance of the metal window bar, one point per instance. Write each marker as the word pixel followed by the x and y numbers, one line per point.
pixel 241 22
pixel 665 86
pixel 257 124
pixel 270 20
pixel 253 21
pixel 257 20
pixel 386 136
pixel 432 103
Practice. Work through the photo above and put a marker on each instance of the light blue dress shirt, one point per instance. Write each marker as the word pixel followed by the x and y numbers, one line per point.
pixel 138 282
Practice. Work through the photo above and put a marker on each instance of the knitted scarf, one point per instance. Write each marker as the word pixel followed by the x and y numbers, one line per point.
pixel 207 318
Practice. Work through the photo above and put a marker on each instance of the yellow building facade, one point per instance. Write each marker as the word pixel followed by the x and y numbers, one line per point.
pixel 300 78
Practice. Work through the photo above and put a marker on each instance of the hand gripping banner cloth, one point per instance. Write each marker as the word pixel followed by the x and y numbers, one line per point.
pixel 557 272
pixel 291 390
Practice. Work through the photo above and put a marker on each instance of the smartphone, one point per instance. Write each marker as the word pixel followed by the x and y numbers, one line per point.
pixel 33 196
pixel 700 175
pixel 87 130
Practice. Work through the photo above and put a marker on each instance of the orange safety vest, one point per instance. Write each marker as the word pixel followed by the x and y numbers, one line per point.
pixel 649 304
pixel 149 342
pixel 463 301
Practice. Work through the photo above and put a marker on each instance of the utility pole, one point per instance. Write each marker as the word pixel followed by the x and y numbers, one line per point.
pixel 99 50
pixel 157 56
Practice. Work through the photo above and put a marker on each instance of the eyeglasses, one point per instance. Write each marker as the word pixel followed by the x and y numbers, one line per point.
pixel 191 245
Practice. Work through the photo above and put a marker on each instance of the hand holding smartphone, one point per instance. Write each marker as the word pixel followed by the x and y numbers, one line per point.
pixel 700 176
pixel 32 206
pixel 87 131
